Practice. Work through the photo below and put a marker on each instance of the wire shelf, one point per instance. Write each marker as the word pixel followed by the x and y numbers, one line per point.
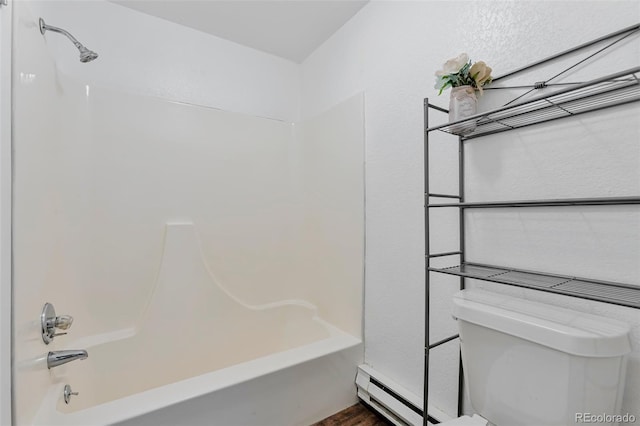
pixel 603 291
pixel 602 201
pixel 606 92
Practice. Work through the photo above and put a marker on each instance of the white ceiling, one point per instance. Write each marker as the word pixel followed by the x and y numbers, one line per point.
pixel 291 29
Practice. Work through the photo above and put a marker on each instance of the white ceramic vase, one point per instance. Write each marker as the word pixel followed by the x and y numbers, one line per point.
pixel 463 104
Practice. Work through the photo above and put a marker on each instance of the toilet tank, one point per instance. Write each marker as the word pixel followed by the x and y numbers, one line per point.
pixel 528 363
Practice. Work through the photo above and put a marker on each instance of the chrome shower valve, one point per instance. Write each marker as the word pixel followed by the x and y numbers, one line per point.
pixel 68 393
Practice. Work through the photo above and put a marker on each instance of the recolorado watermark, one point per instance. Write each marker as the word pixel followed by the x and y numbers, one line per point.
pixel 605 418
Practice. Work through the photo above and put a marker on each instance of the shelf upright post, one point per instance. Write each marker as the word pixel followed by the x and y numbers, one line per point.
pixel 462 258
pixel 425 405
pixel 461 221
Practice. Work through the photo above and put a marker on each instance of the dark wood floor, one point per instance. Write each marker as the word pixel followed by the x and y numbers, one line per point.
pixel 356 415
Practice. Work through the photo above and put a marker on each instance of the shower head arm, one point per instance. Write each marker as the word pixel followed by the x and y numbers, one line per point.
pixel 44 27
pixel 86 55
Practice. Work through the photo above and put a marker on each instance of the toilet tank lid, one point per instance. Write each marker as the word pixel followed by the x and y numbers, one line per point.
pixel 565 330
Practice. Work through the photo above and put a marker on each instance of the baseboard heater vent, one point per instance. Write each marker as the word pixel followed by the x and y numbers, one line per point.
pixel 395 403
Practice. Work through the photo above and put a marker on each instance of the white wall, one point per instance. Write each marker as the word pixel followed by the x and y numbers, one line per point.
pixel 390 50
pixel 5 214
pixel 150 56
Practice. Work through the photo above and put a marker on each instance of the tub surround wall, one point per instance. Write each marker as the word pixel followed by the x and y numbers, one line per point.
pixel 30 375
pixel 104 170
pixel 6 29
pixel 205 345
pixel 390 50
pixel 332 184
pixel 192 325
pixel 145 55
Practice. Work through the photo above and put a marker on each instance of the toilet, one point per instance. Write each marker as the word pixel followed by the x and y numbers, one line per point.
pixel 528 363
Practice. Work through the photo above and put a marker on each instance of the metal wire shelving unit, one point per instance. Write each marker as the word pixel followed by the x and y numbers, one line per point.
pixel 609 91
pixel 612 90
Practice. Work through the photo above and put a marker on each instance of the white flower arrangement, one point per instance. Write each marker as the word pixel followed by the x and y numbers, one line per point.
pixel 459 72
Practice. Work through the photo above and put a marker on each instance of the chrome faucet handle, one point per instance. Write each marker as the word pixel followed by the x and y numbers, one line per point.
pixel 49 322
pixel 63 322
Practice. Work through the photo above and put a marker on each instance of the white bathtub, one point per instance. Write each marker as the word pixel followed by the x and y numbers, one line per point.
pixel 275 364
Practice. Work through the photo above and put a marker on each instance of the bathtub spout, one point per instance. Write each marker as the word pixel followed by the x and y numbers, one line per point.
pixel 57 358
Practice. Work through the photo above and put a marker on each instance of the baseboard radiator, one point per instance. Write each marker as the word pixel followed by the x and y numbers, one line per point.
pixel 391 400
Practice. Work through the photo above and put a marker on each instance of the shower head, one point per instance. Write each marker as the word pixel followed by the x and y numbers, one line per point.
pixel 86 55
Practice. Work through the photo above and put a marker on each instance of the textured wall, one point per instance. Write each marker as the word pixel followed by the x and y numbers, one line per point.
pixel 390 51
